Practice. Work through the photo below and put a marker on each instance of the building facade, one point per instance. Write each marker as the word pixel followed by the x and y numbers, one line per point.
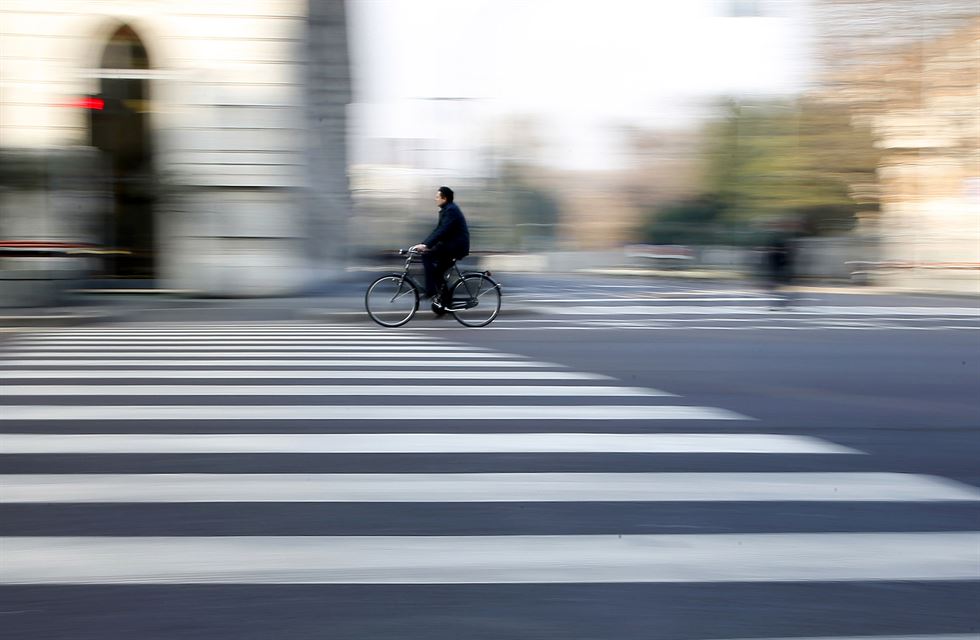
pixel 911 71
pixel 200 145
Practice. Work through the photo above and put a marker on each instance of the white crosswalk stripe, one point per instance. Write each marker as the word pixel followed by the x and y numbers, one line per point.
pixel 492 559
pixel 211 349
pixel 653 306
pixel 90 344
pixel 407 353
pixel 341 374
pixel 90 390
pixel 418 443
pixel 486 487
pixel 270 364
pixel 389 413
pixel 148 393
pixel 709 310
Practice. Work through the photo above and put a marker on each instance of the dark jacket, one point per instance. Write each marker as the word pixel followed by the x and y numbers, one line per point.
pixel 451 235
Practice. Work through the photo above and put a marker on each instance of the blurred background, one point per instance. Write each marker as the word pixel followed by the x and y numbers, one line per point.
pixel 167 146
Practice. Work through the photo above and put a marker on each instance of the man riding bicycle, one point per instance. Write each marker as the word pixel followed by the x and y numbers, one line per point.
pixel 448 241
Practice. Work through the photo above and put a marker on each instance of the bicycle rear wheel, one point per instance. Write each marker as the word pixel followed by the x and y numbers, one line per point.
pixel 392 300
pixel 475 300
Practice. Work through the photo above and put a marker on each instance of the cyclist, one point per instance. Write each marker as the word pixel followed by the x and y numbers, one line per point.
pixel 449 240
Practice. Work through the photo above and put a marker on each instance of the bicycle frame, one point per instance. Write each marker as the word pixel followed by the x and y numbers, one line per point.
pixel 471 295
pixel 412 256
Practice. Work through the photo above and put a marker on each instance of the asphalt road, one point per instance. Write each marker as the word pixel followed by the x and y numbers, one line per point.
pixel 638 461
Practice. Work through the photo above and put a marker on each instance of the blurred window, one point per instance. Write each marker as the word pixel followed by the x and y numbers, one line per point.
pixel 125 51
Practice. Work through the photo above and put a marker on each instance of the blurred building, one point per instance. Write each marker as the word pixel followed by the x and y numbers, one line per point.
pixel 209 137
pixel 912 71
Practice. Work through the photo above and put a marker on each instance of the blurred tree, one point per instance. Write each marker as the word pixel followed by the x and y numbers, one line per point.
pixel 804 158
pixel 535 211
pixel 694 221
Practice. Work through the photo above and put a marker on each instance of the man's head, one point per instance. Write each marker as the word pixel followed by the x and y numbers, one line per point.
pixel 444 196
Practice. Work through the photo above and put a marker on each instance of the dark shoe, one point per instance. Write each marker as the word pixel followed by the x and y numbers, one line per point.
pixel 438 308
pixel 444 298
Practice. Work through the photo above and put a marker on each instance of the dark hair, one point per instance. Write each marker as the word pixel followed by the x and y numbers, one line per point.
pixel 446 193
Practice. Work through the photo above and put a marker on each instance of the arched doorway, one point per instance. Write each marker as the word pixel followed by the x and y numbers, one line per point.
pixel 121 129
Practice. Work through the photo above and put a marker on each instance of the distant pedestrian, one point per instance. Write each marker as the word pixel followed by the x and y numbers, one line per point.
pixel 779 264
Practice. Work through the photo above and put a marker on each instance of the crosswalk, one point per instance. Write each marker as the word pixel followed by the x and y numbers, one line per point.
pixel 104 420
pixel 663 307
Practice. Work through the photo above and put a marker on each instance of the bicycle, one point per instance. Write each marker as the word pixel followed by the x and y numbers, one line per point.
pixel 393 299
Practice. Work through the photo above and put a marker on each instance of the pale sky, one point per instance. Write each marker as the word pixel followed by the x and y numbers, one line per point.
pixel 579 65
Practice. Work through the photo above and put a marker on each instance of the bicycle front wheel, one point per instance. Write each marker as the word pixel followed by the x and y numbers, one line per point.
pixel 475 300
pixel 391 301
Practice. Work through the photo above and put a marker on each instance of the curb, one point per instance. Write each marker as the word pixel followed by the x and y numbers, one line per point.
pixel 813 287
pixel 54 320
pixel 687 274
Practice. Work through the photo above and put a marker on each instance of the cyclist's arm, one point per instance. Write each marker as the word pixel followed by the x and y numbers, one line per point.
pixel 448 223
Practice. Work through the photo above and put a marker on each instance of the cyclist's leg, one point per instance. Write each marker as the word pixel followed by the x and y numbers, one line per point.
pixel 436 263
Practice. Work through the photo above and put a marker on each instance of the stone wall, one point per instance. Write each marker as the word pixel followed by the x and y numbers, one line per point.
pixel 248 111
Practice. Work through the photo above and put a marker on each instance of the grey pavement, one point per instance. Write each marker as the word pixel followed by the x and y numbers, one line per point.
pixel 337 301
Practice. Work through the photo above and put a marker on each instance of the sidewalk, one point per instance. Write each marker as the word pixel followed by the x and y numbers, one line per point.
pixel 805 285
pixel 338 301
pixel 345 303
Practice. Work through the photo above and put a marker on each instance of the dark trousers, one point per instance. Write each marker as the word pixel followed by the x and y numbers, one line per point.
pixel 436 264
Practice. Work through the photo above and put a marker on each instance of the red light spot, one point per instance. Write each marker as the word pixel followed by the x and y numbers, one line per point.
pixel 96 104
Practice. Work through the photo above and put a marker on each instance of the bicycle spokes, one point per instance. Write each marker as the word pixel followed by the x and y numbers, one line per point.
pixel 476 300
pixel 401 291
pixel 391 300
